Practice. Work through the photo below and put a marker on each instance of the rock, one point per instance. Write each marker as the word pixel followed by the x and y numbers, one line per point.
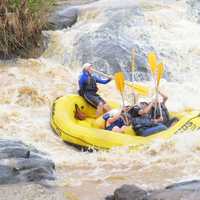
pixel 63 18
pixel 110 197
pixel 21 163
pixel 109 46
pixel 129 192
pixel 184 191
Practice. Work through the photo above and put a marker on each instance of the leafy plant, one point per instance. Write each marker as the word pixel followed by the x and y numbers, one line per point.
pixel 21 23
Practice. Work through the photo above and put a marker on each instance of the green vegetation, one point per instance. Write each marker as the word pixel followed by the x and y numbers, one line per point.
pixel 21 22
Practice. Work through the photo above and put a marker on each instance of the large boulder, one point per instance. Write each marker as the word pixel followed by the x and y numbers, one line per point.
pixel 185 190
pixel 63 18
pixel 65 15
pixel 21 163
pixel 109 46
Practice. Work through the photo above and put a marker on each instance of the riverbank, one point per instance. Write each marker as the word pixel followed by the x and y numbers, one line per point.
pixel 21 24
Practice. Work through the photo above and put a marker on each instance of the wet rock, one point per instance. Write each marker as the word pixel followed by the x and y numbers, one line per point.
pixel 127 192
pixel 184 191
pixel 109 46
pixel 63 18
pixel 21 163
pixel 65 15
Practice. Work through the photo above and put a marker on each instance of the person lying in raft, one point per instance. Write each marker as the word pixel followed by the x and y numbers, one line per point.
pixel 141 120
pixel 88 89
pixel 160 112
pixel 117 122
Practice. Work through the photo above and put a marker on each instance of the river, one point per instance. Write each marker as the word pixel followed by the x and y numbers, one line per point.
pixel 29 86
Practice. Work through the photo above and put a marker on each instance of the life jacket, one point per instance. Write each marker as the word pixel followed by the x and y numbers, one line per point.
pixel 89 86
pixel 119 123
pixel 165 113
pixel 124 119
pixel 142 122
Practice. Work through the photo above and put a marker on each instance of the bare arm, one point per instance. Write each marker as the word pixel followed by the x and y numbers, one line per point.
pixel 160 119
pixel 146 110
pixel 164 97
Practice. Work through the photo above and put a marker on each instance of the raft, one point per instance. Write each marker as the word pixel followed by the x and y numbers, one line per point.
pixel 90 134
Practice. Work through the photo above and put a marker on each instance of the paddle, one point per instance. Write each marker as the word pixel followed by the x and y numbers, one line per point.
pixel 139 88
pixel 152 62
pixel 160 72
pixel 157 73
pixel 120 84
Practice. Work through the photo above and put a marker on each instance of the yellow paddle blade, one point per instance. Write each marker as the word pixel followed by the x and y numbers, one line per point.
pixel 119 81
pixel 160 72
pixel 142 90
pixel 152 62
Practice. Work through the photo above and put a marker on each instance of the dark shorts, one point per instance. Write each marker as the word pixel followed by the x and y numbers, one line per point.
pixel 93 99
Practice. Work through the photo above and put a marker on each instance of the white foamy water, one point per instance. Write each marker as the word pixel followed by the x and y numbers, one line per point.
pixel 28 88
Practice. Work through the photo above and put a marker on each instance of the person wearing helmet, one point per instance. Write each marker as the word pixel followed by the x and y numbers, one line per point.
pixel 88 89
pixel 142 123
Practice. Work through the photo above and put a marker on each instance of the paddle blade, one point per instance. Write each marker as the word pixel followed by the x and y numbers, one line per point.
pixel 152 62
pixel 140 89
pixel 160 72
pixel 119 81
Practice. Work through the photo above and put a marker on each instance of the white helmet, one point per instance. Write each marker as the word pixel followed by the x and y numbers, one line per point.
pixel 86 65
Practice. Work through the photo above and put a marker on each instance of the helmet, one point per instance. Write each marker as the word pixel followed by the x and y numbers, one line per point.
pixel 134 111
pixel 86 65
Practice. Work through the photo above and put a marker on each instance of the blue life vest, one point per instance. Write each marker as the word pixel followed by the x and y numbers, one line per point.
pixel 119 123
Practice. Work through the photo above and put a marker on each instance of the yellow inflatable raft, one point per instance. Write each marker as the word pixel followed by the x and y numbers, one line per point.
pixel 87 133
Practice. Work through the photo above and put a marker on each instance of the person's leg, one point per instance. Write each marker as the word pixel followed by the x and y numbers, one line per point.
pixel 102 105
pixel 106 107
pixel 96 101
pixel 91 98
pixel 152 130
pixel 99 109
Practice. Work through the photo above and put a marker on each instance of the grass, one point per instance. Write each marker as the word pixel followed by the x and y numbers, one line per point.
pixel 21 23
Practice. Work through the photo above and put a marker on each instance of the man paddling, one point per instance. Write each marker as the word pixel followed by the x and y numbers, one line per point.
pixel 88 89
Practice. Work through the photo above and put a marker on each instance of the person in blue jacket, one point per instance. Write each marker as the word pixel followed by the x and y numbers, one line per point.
pixel 88 89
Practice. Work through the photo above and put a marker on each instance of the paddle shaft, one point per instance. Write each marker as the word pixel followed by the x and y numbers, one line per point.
pixel 156 90
pixel 101 73
pixel 142 90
